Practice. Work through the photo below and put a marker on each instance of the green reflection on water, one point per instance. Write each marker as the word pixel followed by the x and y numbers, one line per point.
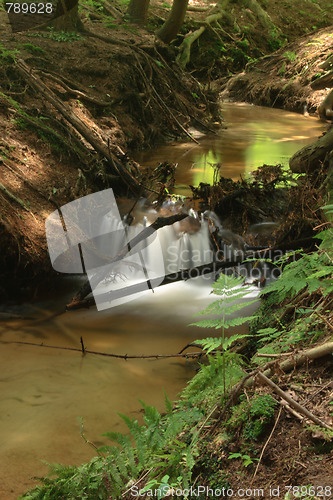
pixel 254 136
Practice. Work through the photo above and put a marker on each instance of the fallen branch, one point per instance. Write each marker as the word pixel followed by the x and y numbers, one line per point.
pixel 293 412
pixel 279 355
pixel 292 402
pixel 79 125
pixel 296 360
pixel 125 357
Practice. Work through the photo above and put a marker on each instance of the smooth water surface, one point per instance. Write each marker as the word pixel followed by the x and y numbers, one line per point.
pixel 254 136
pixel 45 391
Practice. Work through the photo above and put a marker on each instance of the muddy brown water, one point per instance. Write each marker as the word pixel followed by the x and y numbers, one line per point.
pixel 44 391
pixel 254 135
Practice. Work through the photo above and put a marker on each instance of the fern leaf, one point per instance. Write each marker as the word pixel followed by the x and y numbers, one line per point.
pixel 238 321
pixel 230 340
pixel 168 404
pixel 152 415
pixel 208 323
pixel 209 344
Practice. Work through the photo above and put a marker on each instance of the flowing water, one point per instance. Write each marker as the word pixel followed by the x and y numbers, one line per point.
pixel 45 391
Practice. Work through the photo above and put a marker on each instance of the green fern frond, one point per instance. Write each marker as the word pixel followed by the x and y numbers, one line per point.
pixel 212 343
pixel 151 416
pixel 168 404
pixel 208 323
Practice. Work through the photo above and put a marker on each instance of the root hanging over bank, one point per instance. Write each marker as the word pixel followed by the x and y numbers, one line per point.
pixel 286 78
pixel 72 114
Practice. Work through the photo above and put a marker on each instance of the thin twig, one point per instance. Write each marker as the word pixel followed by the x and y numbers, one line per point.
pixel 110 355
pixel 138 481
pixel 265 445
pixel 321 388
pixel 292 402
pixel 263 355
pixel 324 319
pixel 285 405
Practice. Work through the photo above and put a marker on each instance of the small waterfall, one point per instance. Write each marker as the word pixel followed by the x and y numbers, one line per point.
pixel 171 249
pixel 185 246
pixel 168 250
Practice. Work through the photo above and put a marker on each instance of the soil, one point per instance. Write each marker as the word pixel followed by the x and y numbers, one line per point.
pixel 297 453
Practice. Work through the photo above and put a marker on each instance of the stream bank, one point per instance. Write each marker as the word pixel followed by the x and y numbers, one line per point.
pixel 46 163
pixel 283 79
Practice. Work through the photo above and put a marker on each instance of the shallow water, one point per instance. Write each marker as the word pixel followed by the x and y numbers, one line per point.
pixel 254 135
pixel 45 391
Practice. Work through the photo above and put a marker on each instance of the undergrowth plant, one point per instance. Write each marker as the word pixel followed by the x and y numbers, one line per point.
pixel 303 294
pixel 154 446
pixel 230 293
pixel 250 417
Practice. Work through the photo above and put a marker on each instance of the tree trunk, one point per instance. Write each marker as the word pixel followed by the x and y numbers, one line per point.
pixel 67 16
pixel 325 110
pixel 137 11
pixel 311 156
pixel 174 22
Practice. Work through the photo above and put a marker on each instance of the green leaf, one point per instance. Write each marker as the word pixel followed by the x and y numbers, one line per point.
pixel 159 63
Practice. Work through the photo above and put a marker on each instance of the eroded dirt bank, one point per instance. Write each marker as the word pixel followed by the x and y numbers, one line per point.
pixel 284 78
pixel 122 98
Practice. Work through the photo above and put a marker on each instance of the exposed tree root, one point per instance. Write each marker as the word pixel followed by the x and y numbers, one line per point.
pixel 222 12
pixel 313 155
pixel 184 55
pixel 325 110
pixel 81 127
pixel 262 15
pixel 12 197
pixel 75 92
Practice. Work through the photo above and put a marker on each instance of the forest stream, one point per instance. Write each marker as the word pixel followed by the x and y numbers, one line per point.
pixel 46 391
